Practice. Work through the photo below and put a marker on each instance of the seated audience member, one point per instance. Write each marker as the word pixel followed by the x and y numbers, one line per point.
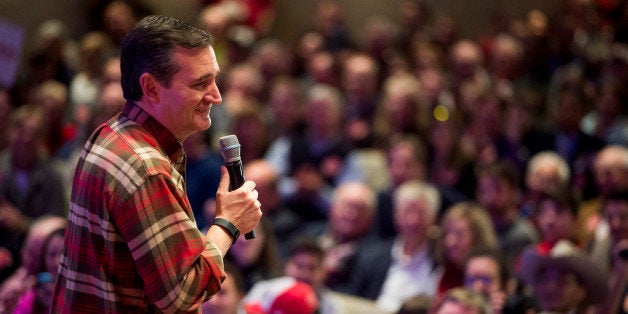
pixel 546 171
pixel 361 93
pixel 25 278
pixel 450 164
pixel 392 271
pixel 498 191
pixel 407 160
pixel 285 223
pixel 228 300
pixel 613 254
pixel 610 169
pixel 575 146
pixel 347 231
pixel 315 155
pixel 258 259
pixel 464 226
pixel 463 301
pixel 485 272
pixel 282 295
pixel 305 264
pixel 556 219
pixel 38 298
pixel 252 131
pixel 606 121
pixel 30 186
pixel 565 280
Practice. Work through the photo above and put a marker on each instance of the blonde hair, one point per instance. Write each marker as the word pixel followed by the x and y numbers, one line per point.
pixel 479 224
pixel 468 298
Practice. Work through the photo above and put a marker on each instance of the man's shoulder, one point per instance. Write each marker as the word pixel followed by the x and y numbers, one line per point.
pixel 123 151
pixel 131 144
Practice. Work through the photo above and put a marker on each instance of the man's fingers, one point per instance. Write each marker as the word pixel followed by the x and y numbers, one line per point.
pixel 248 186
pixel 224 179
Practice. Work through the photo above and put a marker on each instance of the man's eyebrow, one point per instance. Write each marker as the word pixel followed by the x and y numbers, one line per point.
pixel 202 78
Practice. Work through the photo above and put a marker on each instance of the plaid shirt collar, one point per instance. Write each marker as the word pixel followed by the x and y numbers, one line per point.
pixel 172 147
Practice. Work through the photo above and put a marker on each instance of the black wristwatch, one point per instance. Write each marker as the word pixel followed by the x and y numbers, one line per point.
pixel 229 227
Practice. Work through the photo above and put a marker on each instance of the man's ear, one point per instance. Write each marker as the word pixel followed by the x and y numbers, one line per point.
pixel 150 87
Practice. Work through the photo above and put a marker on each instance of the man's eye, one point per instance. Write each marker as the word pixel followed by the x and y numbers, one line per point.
pixel 200 85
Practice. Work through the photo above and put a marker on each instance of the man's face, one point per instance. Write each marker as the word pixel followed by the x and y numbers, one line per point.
pixel 306 267
pixel 403 165
pixel 412 218
pixel 617 215
pixel 184 106
pixel 350 215
pixel 482 275
pixel 495 194
pixel 555 221
pixel 225 301
pixel 558 290
pixel 610 171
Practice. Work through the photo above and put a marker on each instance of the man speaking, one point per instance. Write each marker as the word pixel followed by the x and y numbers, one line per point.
pixel 132 245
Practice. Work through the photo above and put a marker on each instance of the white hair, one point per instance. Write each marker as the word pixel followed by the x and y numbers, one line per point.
pixel 418 190
pixel 552 158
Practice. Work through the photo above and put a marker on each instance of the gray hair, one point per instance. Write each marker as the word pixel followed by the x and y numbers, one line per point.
pixel 549 157
pixel 418 190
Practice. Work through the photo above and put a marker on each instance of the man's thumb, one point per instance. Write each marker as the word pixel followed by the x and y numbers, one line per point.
pixel 224 179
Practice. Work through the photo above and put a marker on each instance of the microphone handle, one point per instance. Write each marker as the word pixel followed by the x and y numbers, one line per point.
pixel 236 180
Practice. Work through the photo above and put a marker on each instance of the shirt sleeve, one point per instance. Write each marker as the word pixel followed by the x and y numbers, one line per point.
pixel 180 268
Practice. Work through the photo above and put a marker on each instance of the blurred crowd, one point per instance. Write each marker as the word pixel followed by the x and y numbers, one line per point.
pixel 404 170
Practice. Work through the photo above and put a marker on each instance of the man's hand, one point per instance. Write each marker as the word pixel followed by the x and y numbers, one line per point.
pixel 240 206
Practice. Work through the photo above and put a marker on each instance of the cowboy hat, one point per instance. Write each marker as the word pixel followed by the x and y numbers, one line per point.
pixel 564 255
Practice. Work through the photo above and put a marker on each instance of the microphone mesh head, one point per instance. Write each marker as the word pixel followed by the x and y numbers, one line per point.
pixel 229 148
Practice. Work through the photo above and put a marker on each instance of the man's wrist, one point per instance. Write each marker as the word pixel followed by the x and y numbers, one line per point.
pixel 229 227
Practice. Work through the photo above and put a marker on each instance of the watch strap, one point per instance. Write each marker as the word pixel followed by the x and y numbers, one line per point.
pixel 229 227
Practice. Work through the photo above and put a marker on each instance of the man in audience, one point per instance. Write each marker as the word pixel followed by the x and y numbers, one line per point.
pixel 565 280
pixel 30 187
pixel 612 252
pixel 284 221
pixel 393 271
pixel 305 264
pixel 610 170
pixel 346 232
pixel 498 191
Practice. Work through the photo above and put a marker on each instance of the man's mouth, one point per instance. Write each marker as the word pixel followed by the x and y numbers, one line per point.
pixel 201 110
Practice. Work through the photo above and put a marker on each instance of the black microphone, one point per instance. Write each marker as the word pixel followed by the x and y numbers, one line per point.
pixel 230 151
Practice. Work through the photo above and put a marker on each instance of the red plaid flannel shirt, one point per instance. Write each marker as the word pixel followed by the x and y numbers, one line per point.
pixel 132 245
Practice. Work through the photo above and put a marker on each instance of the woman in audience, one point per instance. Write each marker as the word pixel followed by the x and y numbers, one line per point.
pixel 464 226
pixel 31 276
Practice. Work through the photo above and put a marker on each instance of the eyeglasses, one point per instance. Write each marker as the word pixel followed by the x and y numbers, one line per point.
pixel 484 279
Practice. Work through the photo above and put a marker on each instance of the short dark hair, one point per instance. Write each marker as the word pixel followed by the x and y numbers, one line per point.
pixel 496 256
pixel 565 198
pixel 503 170
pixel 306 245
pixel 149 46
